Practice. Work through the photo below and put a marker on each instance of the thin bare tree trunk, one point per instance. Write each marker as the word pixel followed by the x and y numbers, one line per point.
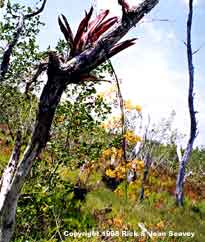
pixel 193 129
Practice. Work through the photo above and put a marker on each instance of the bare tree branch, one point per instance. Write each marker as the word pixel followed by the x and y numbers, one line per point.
pixel 197 50
pixel 123 128
pixel 121 100
pixel 38 11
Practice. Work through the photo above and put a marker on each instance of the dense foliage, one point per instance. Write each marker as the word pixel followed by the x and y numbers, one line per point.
pixel 80 181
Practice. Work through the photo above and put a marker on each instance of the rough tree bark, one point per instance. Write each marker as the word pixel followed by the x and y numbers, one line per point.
pixel 193 128
pixel 60 75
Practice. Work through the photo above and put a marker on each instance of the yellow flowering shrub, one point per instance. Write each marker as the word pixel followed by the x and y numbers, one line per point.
pixel 112 153
pixel 137 164
pixel 132 138
pixel 138 108
pixel 121 170
pixel 106 153
pixel 130 106
pixel 110 173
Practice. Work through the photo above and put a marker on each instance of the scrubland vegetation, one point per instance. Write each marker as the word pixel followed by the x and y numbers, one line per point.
pixel 97 164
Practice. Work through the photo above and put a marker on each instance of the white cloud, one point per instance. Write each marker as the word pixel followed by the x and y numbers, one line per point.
pixel 148 80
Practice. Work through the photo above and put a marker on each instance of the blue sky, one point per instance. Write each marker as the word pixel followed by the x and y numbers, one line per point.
pixel 154 71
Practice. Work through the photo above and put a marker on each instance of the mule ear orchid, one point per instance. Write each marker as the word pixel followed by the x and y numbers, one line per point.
pixel 66 30
pixel 90 31
pixel 121 46
pixel 79 40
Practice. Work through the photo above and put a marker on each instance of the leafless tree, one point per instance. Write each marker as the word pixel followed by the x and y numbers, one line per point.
pixel 193 127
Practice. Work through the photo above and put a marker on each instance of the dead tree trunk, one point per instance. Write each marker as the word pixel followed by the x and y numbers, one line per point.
pixel 193 128
pixel 9 195
pixel 60 75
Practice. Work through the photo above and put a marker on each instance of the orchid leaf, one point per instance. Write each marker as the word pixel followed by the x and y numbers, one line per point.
pixel 82 28
pixel 103 27
pixel 121 46
pixel 66 31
